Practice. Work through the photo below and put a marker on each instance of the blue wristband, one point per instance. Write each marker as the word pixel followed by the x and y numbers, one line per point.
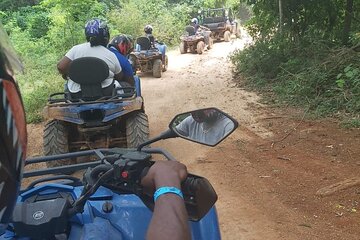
pixel 163 190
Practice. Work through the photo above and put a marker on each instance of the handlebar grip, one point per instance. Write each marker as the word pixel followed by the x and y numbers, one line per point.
pixel 199 196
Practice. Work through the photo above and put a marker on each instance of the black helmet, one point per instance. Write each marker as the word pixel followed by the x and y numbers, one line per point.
pixel 122 43
pixel 13 136
pixel 97 32
pixel 148 29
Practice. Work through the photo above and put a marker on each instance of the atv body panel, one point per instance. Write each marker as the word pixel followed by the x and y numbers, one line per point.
pixel 109 215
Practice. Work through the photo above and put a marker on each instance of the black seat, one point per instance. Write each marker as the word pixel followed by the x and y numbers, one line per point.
pixel 89 72
pixel 144 43
pixel 190 30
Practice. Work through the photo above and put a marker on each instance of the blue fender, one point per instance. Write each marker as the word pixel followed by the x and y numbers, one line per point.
pixel 137 85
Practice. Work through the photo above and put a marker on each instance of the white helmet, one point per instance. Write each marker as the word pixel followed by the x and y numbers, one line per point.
pixel 195 21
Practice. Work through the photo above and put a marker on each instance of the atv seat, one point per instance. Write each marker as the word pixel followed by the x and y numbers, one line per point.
pixel 144 43
pixel 89 72
pixel 190 30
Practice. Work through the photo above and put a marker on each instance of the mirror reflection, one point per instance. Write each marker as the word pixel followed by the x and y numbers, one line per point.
pixel 207 126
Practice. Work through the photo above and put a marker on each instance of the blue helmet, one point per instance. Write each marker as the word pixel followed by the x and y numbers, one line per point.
pixel 97 28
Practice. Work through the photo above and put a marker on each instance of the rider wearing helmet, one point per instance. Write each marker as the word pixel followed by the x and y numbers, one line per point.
pixel 12 131
pixel 121 46
pixel 205 32
pixel 148 29
pixel 195 24
pixel 97 36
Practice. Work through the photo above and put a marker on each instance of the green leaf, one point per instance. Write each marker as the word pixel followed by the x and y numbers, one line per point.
pixel 349 74
pixel 340 83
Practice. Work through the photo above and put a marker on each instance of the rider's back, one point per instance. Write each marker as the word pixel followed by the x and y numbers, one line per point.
pixel 85 50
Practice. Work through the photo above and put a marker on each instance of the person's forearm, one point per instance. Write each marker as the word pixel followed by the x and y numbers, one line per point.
pixel 169 219
pixel 130 80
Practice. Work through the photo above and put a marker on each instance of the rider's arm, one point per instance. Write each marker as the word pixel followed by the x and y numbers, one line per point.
pixel 119 76
pixel 129 79
pixel 170 219
pixel 63 66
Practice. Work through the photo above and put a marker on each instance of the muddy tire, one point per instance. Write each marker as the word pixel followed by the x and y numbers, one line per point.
pixel 211 43
pixel 182 48
pixel 157 68
pixel 56 141
pixel 227 36
pixel 238 33
pixel 200 47
pixel 165 66
pixel 137 129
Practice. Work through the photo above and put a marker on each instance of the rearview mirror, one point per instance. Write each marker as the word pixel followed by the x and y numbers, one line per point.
pixel 207 126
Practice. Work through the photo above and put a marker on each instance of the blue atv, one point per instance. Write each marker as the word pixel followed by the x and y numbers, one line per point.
pixel 149 58
pixel 109 203
pixel 95 118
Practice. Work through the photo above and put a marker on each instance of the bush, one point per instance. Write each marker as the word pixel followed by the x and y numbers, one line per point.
pixel 311 74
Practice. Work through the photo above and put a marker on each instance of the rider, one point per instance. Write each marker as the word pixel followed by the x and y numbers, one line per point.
pixel 121 46
pixel 206 126
pixel 205 33
pixel 148 29
pixel 97 36
pixel 169 217
pixel 195 24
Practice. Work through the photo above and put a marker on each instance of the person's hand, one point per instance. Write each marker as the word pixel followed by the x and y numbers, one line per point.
pixel 164 173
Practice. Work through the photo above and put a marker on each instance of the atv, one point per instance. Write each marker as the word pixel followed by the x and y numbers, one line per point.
pixel 220 23
pixel 93 120
pixel 109 203
pixel 194 41
pixel 149 58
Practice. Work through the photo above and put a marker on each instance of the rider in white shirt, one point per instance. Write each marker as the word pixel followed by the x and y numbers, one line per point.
pixel 97 36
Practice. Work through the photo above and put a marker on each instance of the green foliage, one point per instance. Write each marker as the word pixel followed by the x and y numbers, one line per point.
pixel 306 63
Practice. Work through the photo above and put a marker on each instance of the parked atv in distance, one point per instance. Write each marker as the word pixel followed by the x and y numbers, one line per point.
pixel 194 41
pixel 220 23
pixel 94 119
pixel 149 58
pixel 109 202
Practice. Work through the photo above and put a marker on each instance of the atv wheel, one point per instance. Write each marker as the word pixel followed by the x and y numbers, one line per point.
pixel 211 43
pixel 200 47
pixel 182 48
pixel 238 33
pixel 157 68
pixel 165 66
pixel 56 142
pixel 137 129
pixel 227 36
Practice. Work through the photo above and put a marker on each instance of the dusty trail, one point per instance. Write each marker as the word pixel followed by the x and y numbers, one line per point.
pixel 266 182
pixel 195 81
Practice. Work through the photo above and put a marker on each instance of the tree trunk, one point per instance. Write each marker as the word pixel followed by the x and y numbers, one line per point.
pixel 281 21
pixel 347 21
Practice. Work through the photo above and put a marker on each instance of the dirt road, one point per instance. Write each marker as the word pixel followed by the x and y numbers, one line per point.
pixel 268 172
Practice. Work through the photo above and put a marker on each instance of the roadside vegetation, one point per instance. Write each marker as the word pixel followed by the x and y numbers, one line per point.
pixel 43 30
pixel 307 53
